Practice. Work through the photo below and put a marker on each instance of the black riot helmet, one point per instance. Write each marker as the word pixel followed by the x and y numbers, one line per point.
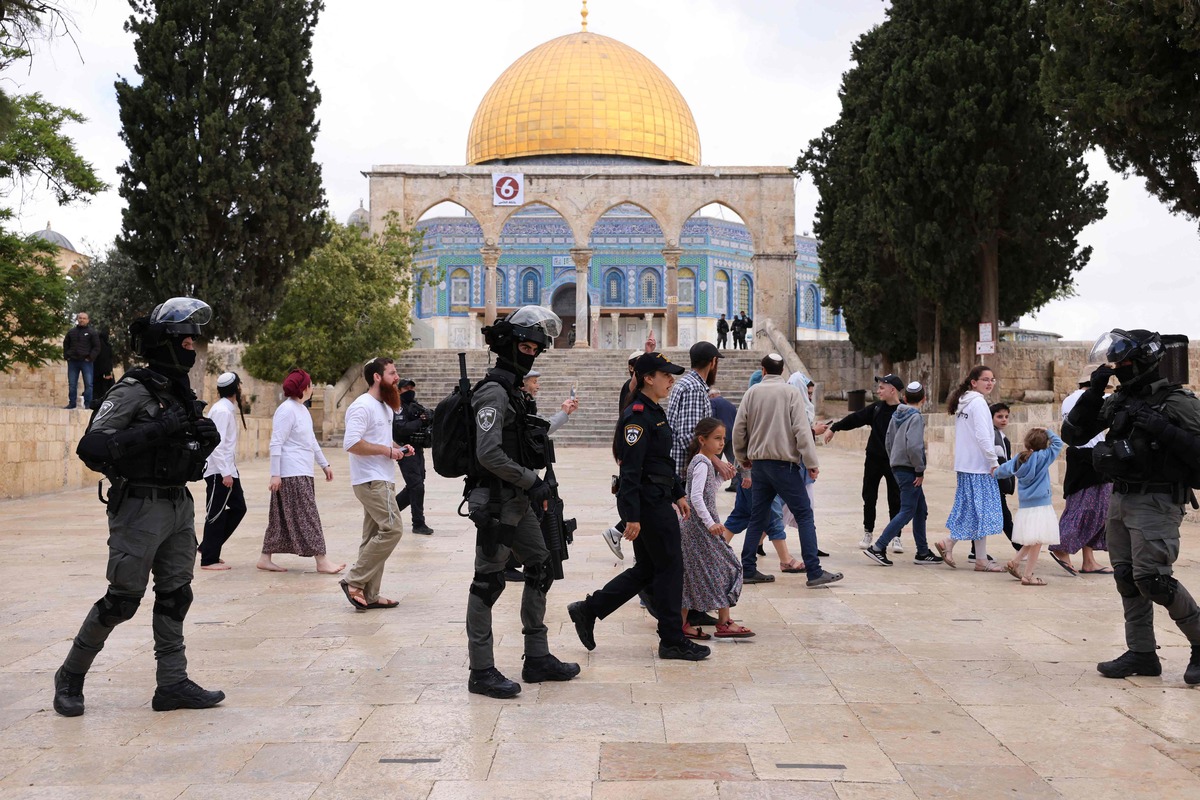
pixel 1134 355
pixel 158 338
pixel 534 324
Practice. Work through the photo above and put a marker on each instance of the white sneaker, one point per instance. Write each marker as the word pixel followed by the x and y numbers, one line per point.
pixel 897 547
pixel 612 538
pixel 866 541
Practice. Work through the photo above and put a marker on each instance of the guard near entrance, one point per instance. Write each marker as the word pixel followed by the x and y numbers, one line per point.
pixel 1151 454
pixel 503 495
pixel 149 438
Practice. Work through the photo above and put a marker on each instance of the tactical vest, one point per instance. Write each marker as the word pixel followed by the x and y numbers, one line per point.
pixel 1131 454
pixel 175 461
pixel 528 441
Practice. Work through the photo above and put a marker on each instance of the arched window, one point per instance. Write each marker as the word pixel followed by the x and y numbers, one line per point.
pixel 531 288
pixel 810 305
pixel 614 288
pixel 649 289
pixel 720 303
pixel 460 288
pixel 687 290
pixel 745 293
pixel 501 296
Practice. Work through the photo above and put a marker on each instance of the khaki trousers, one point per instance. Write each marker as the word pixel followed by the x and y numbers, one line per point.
pixel 381 533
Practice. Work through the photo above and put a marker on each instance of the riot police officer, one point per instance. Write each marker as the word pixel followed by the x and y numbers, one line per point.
pixel 149 438
pixel 502 497
pixel 411 426
pixel 1151 454
pixel 648 493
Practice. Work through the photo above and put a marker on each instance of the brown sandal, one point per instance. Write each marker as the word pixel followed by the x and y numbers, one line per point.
pixel 989 566
pixel 1011 569
pixel 731 630
pixel 696 633
pixel 792 566
pixel 1032 580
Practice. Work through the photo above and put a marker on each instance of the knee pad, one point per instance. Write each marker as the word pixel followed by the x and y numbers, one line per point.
pixel 488 587
pixel 115 609
pixel 539 576
pixel 1123 575
pixel 1158 589
pixel 174 604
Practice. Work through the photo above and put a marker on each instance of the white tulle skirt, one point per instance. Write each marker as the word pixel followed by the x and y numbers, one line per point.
pixel 1037 525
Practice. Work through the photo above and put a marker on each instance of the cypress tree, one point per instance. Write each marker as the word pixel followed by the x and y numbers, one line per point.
pixel 223 197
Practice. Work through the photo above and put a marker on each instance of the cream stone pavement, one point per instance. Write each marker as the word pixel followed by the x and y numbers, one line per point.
pixel 901 682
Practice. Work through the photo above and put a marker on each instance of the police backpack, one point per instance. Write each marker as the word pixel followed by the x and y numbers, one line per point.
pixel 453 429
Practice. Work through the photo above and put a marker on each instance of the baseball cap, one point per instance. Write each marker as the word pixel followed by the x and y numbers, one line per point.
pixel 703 352
pixel 405 383
pixel 656 362
pixel 533 373
pixel 891 380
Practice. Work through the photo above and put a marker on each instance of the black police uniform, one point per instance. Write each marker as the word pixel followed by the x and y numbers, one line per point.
pixel 160 442
pixel 412 418
pixel 1150 453
pixel 648 488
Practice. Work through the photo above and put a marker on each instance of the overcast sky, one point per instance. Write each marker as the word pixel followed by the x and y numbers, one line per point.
pixel 400 82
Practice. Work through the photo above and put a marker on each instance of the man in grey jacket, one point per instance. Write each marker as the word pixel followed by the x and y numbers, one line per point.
pixel 772 436
pixel 905 442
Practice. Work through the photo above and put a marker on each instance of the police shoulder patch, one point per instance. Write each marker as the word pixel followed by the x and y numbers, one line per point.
pixel 632 434
pixel 105 408
pixel 486 418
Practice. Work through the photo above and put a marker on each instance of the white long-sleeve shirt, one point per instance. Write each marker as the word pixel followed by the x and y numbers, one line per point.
pixel 222 461
pixel 974 436
pixel 293 443
pixel 697 477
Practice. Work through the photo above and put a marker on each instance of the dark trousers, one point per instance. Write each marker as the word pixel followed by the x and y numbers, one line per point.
pixel 874 469
pixel 412 469
pixel 783 479
pixel 658 566
pixel 225 508
pixel 722 340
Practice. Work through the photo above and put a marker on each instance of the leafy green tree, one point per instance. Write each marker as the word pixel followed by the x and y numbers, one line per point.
pixel 109 289
pixel 223 196
pixel 348 302
pixel 34 150
pixel 858 266
pixel 33 299
pixel 1125 74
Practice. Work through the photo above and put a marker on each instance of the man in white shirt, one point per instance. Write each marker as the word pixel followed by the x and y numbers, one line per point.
pixel 373 457
pixel 225 505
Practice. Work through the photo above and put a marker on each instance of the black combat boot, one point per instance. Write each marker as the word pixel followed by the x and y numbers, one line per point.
pixel 185 694
pixel 1191 676
pixel 492 683
pixel 68 692
pixel 547 668
pixel 585 623
pixel 1131 663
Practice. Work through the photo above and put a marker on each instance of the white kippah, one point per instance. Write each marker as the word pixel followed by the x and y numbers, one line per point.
pixel 226 379
pixel 635 355
pixel 775 356
pixel 915 386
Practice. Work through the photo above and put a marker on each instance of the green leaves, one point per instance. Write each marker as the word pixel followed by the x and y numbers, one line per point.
pixel 33 296
pixel 223 196
pixel 348 302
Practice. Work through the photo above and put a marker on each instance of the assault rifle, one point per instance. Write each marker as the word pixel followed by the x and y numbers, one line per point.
pixel 557 531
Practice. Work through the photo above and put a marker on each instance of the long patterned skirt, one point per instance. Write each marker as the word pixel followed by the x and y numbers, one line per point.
pixel 1083 519
pixel 293 523
pixel 976 512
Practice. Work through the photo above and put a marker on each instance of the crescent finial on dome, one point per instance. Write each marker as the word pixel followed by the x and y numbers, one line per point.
pixel 583 14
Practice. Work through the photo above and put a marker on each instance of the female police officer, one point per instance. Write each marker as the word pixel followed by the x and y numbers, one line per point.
pixel 648 491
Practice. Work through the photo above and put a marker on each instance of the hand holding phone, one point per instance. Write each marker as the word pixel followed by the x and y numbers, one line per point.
pixel 574 386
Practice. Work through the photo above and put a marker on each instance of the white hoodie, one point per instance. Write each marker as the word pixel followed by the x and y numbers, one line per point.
pixel 974 436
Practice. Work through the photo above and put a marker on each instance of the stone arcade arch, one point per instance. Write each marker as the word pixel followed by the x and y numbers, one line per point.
pixel 763 197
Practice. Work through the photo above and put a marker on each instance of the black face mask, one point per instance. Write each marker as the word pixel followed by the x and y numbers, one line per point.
pixel 1125 374
pixel 408 397
pixel 517 362
pixel 170 357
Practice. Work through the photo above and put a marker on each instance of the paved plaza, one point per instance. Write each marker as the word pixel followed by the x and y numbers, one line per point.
pixel 898 682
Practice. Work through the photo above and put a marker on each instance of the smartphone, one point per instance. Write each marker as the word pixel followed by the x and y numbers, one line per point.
pixel 408 450
pixel 574 386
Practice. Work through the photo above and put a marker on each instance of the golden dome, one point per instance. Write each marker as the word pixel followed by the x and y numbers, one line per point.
pixel 587 94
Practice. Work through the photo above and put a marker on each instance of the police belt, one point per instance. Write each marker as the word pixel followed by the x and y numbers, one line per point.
pixel 157 492
pixel 1125 487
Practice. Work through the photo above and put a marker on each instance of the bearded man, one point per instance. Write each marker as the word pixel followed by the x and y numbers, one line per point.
pixel 690 403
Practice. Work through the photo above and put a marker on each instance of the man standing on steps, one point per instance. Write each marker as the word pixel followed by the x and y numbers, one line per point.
pixel 722 332
pixel 877 465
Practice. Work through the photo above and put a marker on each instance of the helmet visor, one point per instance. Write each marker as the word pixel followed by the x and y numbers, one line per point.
pixel 180 310
pixel 1112 348
pixel 536 317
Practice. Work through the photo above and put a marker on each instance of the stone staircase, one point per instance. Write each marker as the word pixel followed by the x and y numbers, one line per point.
pixel 596 374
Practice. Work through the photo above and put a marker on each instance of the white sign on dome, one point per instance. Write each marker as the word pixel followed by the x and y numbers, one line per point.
pixel 508 189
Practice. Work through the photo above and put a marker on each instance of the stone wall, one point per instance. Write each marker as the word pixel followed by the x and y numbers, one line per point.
pixel 37 448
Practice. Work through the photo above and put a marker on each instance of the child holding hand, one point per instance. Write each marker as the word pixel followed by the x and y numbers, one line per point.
pixel 1035 524
pixel 712 572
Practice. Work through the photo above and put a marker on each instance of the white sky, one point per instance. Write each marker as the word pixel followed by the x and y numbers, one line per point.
pixel 400 81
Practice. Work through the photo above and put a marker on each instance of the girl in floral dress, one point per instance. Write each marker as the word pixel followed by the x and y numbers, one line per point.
pixel 712 572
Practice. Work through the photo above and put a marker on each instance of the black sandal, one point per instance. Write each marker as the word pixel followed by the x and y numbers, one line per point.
pixel 346 591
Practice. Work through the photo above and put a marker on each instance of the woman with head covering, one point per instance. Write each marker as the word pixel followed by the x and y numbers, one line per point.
pixel 293 524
